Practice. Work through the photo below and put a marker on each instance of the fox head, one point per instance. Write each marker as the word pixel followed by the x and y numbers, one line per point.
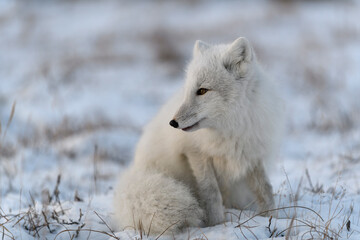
pixel 217 81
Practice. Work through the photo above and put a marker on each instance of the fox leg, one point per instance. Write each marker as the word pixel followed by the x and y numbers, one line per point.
pixel 209 193
pixel 261 187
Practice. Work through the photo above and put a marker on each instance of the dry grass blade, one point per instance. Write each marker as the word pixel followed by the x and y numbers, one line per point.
pixel 289 228
pixel 19 220
pixel 309 178
pixel 277 209
pixel 95 160
pixel 65 230
pixel 9 234
pixel 347 221
pixel 86 230
pixel 106 225
pixel 147 235
pixel 141 229
pixel 46 222
pixel 10 118
pixel 6 235
pixel 242 233
pixel 3 214
pixel 166 230
pixel 249 230
pixel 204 235
pixel 233 214
pixel 320 230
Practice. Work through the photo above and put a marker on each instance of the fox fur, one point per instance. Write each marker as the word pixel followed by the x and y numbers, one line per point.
pixel 214 155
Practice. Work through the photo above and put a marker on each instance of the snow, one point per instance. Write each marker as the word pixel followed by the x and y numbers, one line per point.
pixel 86 76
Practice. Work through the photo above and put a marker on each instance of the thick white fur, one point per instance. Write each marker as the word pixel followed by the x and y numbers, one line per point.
pixel 180 178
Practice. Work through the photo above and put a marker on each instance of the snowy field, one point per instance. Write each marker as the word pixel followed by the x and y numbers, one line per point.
pixel 79 79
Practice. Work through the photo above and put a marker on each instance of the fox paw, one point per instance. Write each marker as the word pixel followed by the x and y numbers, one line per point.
pixel 215 216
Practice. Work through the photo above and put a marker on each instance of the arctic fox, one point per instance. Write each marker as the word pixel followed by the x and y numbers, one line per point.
pixel 225 127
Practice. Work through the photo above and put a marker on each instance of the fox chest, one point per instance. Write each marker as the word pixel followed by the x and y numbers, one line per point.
pixel 232 159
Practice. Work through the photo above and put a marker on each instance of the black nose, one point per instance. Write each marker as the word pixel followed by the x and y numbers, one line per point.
pixel 174 123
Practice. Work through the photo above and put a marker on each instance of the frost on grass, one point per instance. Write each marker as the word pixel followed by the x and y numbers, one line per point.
pixel 86 77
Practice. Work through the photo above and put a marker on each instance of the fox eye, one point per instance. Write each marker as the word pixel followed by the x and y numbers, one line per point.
pixel 201 91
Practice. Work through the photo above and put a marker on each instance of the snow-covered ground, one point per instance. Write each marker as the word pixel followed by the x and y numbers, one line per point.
pixel 82 77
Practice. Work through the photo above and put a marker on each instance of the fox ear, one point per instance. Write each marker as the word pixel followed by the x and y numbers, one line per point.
pixel 200 47
pixel 239 54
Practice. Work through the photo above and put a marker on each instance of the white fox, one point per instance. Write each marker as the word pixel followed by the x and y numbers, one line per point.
pixel 226 124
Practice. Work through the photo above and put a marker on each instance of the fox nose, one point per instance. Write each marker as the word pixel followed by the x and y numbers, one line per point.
pixel 174 123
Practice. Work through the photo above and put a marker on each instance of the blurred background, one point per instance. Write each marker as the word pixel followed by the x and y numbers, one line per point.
pixel 83 77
